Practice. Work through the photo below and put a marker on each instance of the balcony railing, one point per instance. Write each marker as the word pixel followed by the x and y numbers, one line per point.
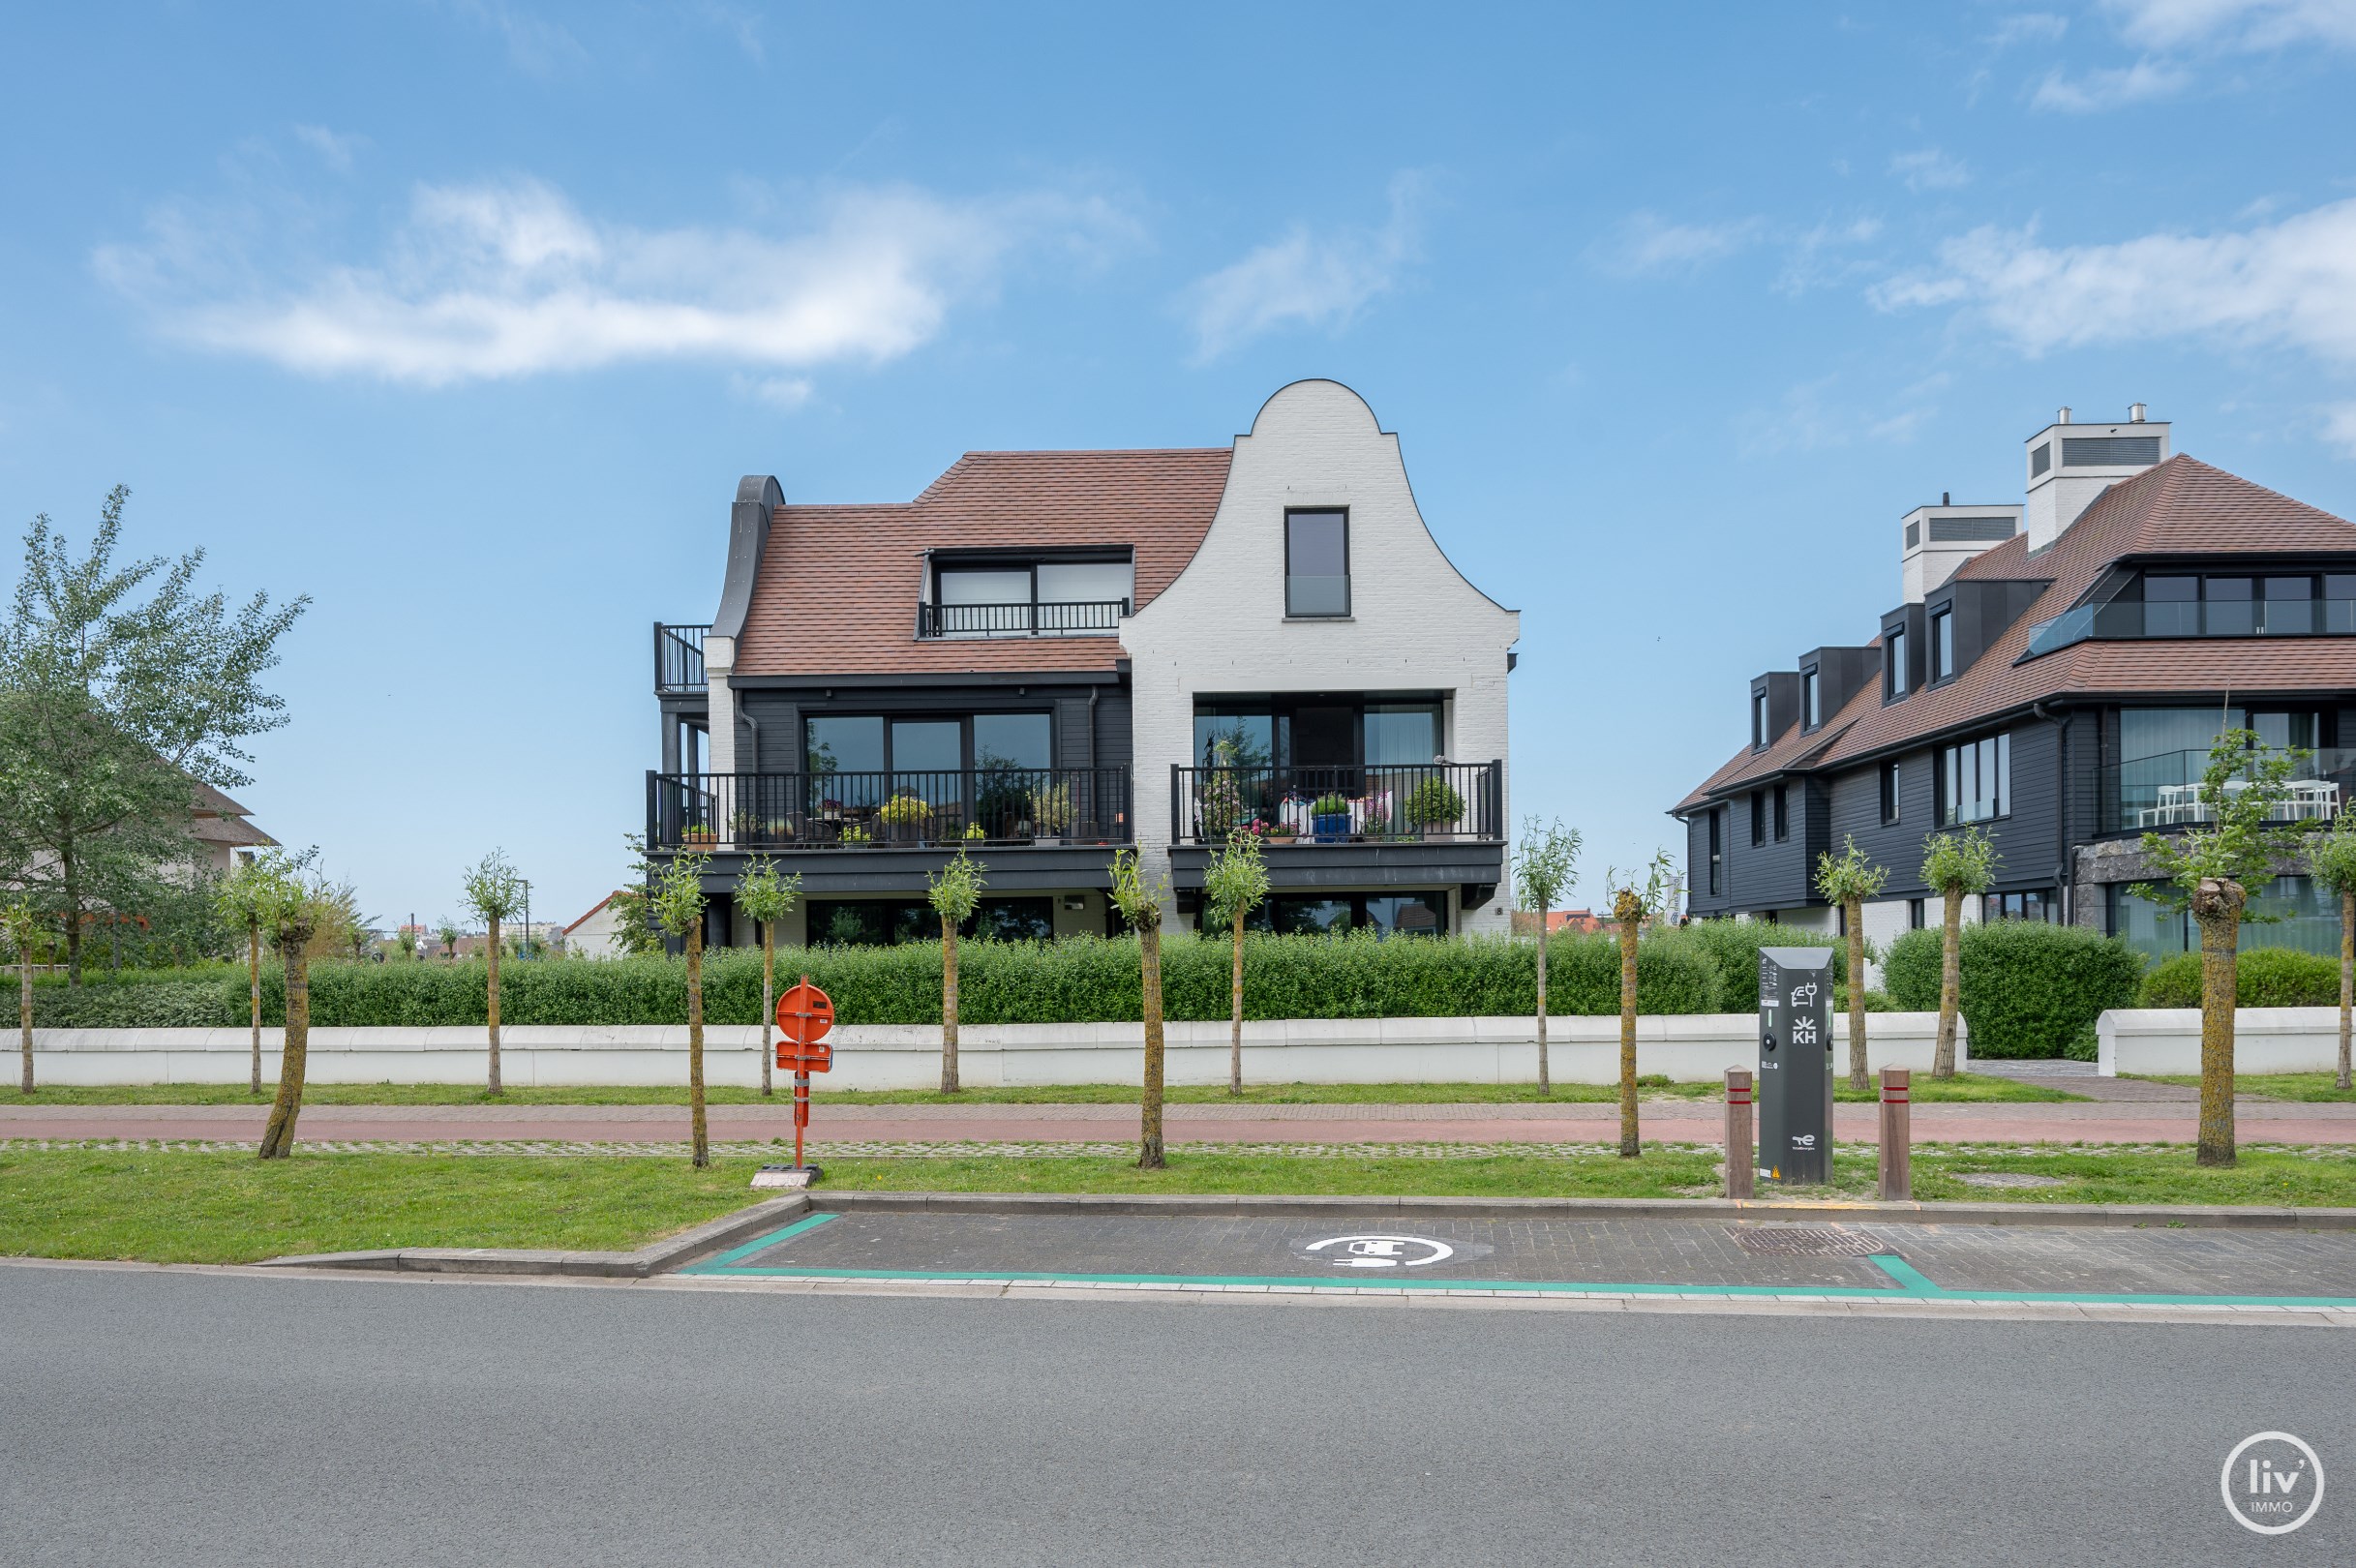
pixel 1446 802
pixel 1082 618
pixel 679 657
pixel 2133 618
pixel 2163 792
pixel 778 812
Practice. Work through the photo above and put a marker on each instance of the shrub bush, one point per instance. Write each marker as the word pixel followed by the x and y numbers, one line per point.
pixel 2262 978
pixel 152 1004
pixel 1734 948
pixel 1076 980
pixel 2026 988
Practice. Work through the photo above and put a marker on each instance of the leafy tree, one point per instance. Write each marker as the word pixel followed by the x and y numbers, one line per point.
pixel 764 896
pixel 1543 867
pixel 1954 864
pixel 17 925
pixel 952 894
pixel 1140 904
pixel 493 892
pixel 676 898
pixel 1848 880
pixel 1233 886
pixel 249 896
pixel 447 934
pixel 2331 857
pixel 407 938
pixel 294 910
pixel 110 704
pixel 2209 870
pixel 1633 903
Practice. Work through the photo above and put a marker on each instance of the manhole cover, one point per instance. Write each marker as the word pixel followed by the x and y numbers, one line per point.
pixel 1804 1241
pixel 2008 1178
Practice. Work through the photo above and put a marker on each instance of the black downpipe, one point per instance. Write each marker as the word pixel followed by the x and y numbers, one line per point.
pixel 2064 888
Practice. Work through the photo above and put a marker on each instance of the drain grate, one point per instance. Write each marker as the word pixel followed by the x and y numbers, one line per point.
pixel 1804 1241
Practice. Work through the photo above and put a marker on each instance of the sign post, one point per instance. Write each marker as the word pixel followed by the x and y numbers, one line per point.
pixel 805 1017
pixel 1796 1066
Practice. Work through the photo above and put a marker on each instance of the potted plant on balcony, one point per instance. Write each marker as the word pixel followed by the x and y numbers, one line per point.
pixel 1433 806
pixel 1051 812
pixel 852 833
pixel 1329 819
pixel 1222 807
pixel 904 816
pixel 697 832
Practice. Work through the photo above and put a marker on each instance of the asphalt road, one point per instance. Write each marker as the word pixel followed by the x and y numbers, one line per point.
pixel 149 1417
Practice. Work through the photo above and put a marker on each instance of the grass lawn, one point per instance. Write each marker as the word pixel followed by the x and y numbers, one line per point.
pixel 2310 1086
pixel 229 1208
pixel 1963 1087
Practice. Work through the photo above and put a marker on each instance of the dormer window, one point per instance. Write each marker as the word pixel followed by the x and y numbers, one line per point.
pixel 1759 720
pixel 995 596
pixel 1811 700
pixel 1893 662
pixel 1942 643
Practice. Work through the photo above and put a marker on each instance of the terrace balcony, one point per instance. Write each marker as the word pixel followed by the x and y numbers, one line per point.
pixel 678 659
pixel 1412 823
pixel 1081 618
pixel 2163 792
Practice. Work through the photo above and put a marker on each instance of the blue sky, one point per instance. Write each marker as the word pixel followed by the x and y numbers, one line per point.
pixel 464 319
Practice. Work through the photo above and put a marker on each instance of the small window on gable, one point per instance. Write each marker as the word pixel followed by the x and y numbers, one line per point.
pixel 1317 564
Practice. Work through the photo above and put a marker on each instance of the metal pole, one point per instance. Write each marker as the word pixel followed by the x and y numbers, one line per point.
pixel 1741 1152
pixel 1897 1135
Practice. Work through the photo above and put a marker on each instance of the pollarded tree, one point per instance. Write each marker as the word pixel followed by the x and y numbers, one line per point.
pixel 1848 880
pixel 764 896
pixel 1954 864
pixel 1233 884
pixel 119 685
pixel 676 899
pixel 17 925
pixel 1633 903
pixel 952 894
pixel 447 934
pixel 1140 904
pixel 1543 866
pixel 2209 870
pixel 495 892
pixel 2331 857
pixel 246 898
pixel 295 907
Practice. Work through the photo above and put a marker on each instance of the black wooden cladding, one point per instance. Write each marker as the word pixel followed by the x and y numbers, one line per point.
pixel 1982 608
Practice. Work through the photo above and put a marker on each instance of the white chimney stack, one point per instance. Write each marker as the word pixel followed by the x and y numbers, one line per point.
pixel 2067 473
pixel 1938 539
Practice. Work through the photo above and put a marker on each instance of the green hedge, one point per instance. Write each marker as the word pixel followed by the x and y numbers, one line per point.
pixel 2262 978
pixel 1734 948
pixel 2026 988
pixel 1073 980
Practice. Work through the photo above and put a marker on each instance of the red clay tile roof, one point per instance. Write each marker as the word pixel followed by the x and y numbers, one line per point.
pixel 2181 507
pixel 838 585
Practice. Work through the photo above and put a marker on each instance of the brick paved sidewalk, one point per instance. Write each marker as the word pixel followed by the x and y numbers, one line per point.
pixel 1666 1120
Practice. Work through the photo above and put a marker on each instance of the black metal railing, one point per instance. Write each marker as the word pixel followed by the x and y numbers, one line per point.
pixel 771 812
pixel 679 657
pixel 1371 804
pixel 1080 618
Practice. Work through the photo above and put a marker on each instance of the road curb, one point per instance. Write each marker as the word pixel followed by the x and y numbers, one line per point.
pixel 656 1257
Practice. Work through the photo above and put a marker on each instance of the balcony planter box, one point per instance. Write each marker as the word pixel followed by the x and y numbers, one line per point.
pixel 1330 827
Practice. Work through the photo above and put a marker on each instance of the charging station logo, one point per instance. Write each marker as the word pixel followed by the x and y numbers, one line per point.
pixel 1380 1252
pixel 2273 1483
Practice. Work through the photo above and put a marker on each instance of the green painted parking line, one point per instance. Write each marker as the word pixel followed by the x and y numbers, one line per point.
pixel 715 1265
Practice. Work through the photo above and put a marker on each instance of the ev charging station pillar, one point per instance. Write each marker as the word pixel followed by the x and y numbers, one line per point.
pixel 1796 1066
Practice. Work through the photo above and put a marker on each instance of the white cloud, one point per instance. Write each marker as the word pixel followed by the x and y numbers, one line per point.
pixel 2242 24
pixel 2029 27
pixel 1645 243
pixel 2288 285
pixel 785 393
pixel 536 47
pixel 1816 257
pixel 506 279
pixel 2110 88
pixel 1309 277
pixel 335 149
pixel 2339 427
pixel 1930 169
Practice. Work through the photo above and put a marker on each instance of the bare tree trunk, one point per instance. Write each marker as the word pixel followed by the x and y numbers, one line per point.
pixel 2347 977
pixel 294 1056
pixel 1629 913
pixel 495 1007
pixel 1857 1080
pixel 2217 907
pixel 1950 982
pixel 24 1006
pixel 1149 1122
pixel 253 1001
pixel 1546 1084
pixel 768 997
pixel 1235 1010
pixel 949 1006
pixel 700 1139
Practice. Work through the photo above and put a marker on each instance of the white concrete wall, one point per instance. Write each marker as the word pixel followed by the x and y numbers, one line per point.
pixel 1415 624
pixel 908 1056
pixel 2265 1039
pixel 1885 920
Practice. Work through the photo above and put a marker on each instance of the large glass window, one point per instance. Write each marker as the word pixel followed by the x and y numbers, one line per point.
pixel 2307 919
pixel 1975 780
pixel 1316 563
pixel 1234 735
pixel 1402 734
pixel 1893 661
pixel 1386 915
pixel 1083 582
pixel 2233 611
pixel 846 745
pixel 1943 644
pixel 1013 741
pixel 1000 586
pixel 882 923
pixel 2290 605
pixel 2171 607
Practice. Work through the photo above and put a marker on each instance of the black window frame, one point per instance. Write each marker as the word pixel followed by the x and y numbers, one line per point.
pixel 1717 849
pixel 1783 812
pixel 1944 807
pixel 1759 720
pixel 1895 674
pixel 1349 599
pixel 963 717
pixel 1759 816
pixel 1914 915
pixel 1942 621
pixel 1811 699
pixel 1886 779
